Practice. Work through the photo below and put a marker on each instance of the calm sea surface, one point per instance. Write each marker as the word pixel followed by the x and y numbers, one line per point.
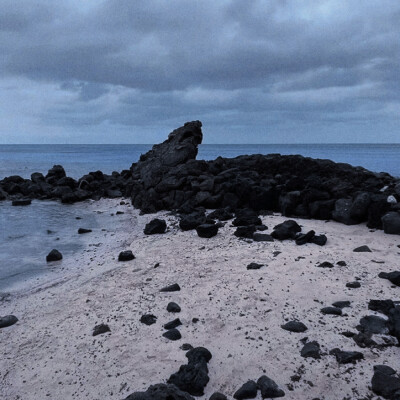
pixel 27 234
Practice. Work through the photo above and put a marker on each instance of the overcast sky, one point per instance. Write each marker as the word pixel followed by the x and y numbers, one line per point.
pixel 130 71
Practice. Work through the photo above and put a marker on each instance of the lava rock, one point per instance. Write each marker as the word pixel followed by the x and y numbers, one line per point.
pixel 148 319
pixel 161 391
pixel 247 220
pixel 21 202
pixel 341 304
pixel 286 230
pixel 100 329
pixel 373 324
pixel 393 277
pixel 294 326
pixel 172 334
pixel 173 307
pixel 342 212
pixel 383 306
pixel 126 255
pixel 346 357
pixel 192 221
pixel 218 396
pixel 254 266
pixel 331 310
pixel 311 349
pixel 362 249
pixel 247 391
pixel 83 230
pixel 8 320
pixel 305 238
pixel 391 223
pixel 268 388
pixel 171 288
pixel 319 240
pixel 341 263
pixel 353 285
pixel 207 230
pixel 262 237
pixel 385 382
pixel 156 226
pixel 173 324
pixel 325 264
pixel 245 231
pixel 54 255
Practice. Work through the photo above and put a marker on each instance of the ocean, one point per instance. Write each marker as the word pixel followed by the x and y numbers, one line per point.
pixel 27 234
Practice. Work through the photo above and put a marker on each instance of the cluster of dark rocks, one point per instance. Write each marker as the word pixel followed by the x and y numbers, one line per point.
pixel 169 177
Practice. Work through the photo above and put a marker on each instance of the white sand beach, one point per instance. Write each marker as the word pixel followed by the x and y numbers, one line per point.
pixel 51 353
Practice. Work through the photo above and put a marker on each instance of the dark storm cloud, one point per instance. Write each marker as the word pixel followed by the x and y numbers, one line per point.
pixel 267 66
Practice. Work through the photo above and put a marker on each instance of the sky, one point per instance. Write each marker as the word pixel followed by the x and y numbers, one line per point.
pixel 123 71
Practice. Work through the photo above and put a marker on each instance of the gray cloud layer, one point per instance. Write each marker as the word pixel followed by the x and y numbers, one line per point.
pixel 252 71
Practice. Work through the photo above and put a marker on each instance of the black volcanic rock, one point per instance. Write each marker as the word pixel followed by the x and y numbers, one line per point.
pixel 161 391
pixel 218 396
pixel 126 255
pixel 21 202
pixel 171 288
pixel 353 285
pixel 286 230
pixel 325 264
pixel 173 324
pixel 172 334
pixel 245 231
pixel 155 226
pixel 54 255
pixel 84 230
pixel 247 391
pixel 391 223
pixel 148 319
pixel 305 238
pixel 385 382
pixel 269 389
pixel 311 349
pixel 173 307
pixel 8 320
pixel 362 249
pixel 207 230
pixel 346 357
pixel 393 277
pixel 100 329
pixel 254 265
pixel 294 326
pixel 331 310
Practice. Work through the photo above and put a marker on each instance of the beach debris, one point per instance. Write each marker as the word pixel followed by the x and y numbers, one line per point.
pixel 155 226
pixel 100 329
pixel 126 255
pixel 8 320
pixel 54 255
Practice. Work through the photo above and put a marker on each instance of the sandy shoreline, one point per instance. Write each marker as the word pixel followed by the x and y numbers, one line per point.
pixel 51 353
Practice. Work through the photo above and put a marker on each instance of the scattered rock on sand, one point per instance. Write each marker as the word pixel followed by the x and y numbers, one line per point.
pixel 393 277
pixel 311 349
pixel 148 319
pixel 331 310
pixel 84 230
pixel 218 396
pixel 171 288
pixel 161 391
pixel 294 326
pixel 172 334
pixel 363 249
pixel 247 391
pixel 262 237
pixel 54 255
pixel 173 307
pixel 173 324
pixel 341 263
pixel 100 329
pixel 320 240
pixel 353 285
pixel 373 324
pixel 245 231
pixel 207 230
pixel 346 357
pixel 304 238
pixel 325 264
pixel 193 377
pixel 341 304
pixel 155 226
pixel 254 265
pixel 22 202
pixel 8 320
pixel 126 255
pixel 286 230
pixel 385 382
pixel 268 388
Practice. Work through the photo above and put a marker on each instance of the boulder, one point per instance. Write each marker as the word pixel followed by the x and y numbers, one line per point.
pixel 286 230
pixel 311 349
pixel 148 319
pixel 207 230
pixel 346 357
pixel 81 231
pixel 385 382
pixel 247 391
pixel 393 277
pixel 173 307
pixel 245 231
pixel 173 324
pixel 155 226
pixel 218 396
pixel 126 255
pixel 391 223
pixel 173 334
pixel 331 310
pixel 269 389
pixel 342 212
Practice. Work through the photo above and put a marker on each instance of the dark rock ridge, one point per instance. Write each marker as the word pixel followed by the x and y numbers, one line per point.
pixel 169 177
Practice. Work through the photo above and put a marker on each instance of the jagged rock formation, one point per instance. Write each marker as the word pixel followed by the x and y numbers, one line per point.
pixel 169 177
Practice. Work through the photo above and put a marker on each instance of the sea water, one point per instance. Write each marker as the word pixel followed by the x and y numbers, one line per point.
pixel 27 234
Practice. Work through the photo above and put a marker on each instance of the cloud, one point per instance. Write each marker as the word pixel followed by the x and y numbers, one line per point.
pixel 82 69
